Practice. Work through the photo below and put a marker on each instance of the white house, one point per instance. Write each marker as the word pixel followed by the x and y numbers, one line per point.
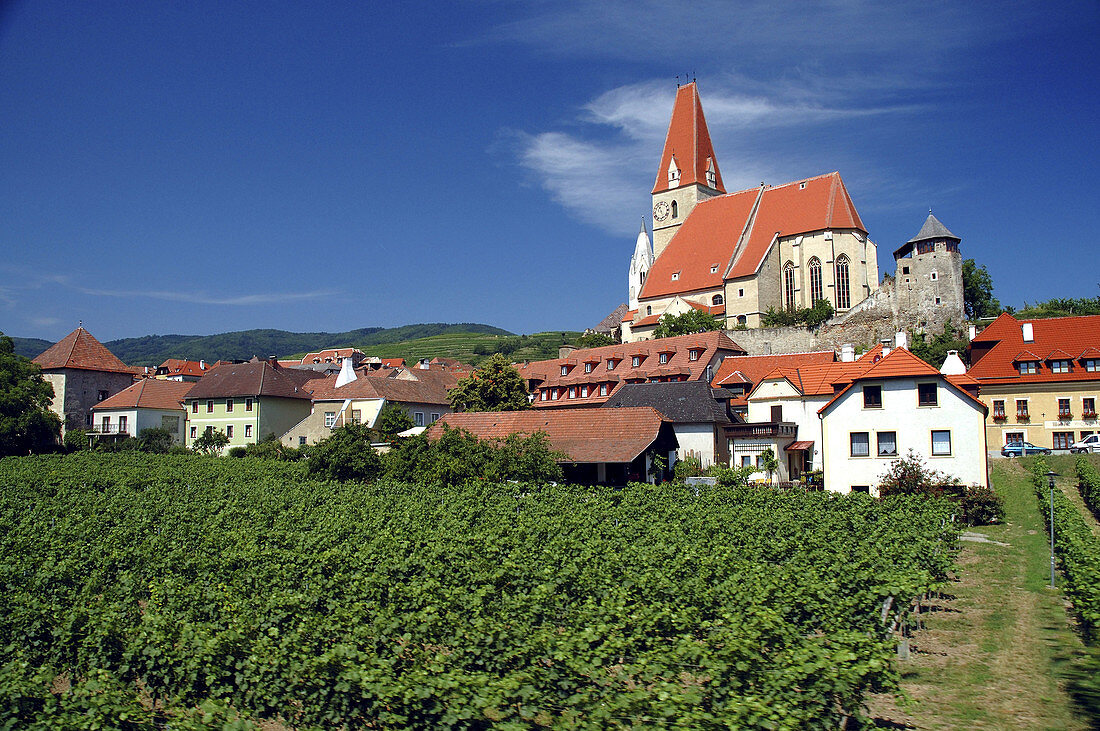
pixel 897 405
pixel 149 403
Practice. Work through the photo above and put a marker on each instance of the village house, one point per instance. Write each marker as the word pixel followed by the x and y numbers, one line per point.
pixel 739 374
pixel 602 446
pixel 177 369
pixel 589 376
pixel 1039 378
pixel 148 404
pixel 83 373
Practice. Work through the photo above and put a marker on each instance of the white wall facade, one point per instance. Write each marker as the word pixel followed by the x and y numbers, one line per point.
pixel 912 425
pixel 799 409
pixel 175 420
pixel 697 439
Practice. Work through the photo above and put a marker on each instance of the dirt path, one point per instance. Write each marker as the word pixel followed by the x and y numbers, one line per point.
pixel 990 654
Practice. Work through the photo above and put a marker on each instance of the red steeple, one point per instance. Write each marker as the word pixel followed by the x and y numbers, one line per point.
pixel 688 141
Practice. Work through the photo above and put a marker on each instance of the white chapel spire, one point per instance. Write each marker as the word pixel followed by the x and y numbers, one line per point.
pixel 640 264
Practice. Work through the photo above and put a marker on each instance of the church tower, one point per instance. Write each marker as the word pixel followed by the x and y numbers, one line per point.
pixel 688 172
pixel 639 266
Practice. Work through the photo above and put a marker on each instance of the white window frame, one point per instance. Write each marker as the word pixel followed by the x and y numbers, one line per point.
pixel 418 418
pixel 330 419
pixel 932 436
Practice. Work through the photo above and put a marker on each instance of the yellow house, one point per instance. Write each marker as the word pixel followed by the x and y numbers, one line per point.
pixel 1040 379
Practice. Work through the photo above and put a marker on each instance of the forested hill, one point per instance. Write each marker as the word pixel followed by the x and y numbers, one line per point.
pixel 155 349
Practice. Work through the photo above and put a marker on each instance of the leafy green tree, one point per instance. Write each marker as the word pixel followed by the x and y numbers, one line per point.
pixel 978 299
pixel 800 316
pixel 76 440
pixel 210 441
pixel 345 455
pixel 593 339
pixel 392 420
pixel 495 386
pixel 934 351
pixel 769 463
pixel 692 321
pixel 457 457
pixel 26 423
pixel 155 440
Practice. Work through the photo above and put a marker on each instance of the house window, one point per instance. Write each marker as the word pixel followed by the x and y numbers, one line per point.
pixel 122 425
pixel 861 444
pixel 788 285
pixel 1014 437
pixel 584 391
pixel 1063 408
pixel 933 276
pixel 693 354
pixel 777 413
pixel 105 425
pixel 742 320
pixel 603 389
pixel 228 405
pixel 927 394
pixel 102 395
pixel 587 367
pixel 248 404
pixel 718 300
pixel 635 361
pixel 435 417
pixel 1021 409
pixel 229 430
pixel 210 407
pixel 572 392
pixel 194 432
pixel 1062 439
pixel 740 293
pixel 610 364
pixel 1059 366
pixel 1028 367
pixel 663 358
pixel 544 395
pixel 649 309
pixel 330 419
pixel 999 409
pixel 554 394
pixel 356 416
pixel 248 431
pixel 418 418
pixel 746 460
pixel 1088 407
pixel 941 443
pixel 887 444
pixel 1092 365
pixel 194 407
pixel 872 397
pixel 301 441
pixel 843 292
pixel 565 370
pixel 815 280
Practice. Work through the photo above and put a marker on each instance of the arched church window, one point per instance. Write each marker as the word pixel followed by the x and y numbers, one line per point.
pixel 788 285
pixel 649 310
pixel 674 212
pixel 717 300
pixel 843 289
pixel 815 280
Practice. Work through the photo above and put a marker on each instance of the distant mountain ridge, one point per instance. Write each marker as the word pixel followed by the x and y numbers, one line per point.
pixel 152 350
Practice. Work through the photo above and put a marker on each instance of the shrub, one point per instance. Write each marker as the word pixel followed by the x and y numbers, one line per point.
pixel 689 466
pixel 979 505
pixel 821 311
pixel 76 440
pixel 155 440
pixel 457 457
pixel 346 455
pixel 982 506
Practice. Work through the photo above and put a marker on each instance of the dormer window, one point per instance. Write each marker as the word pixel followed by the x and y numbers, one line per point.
pixel 693 354
pixel 635 361
pixel 663 358
pixel 1028 367
pixel 711 177
pixel 675 276
pixel 713 268
pixel 673 173
pixel 1059 366
pixel 802 186
pixel 587 367
pixel 1092 365
pixel 610 364
pixel 565 370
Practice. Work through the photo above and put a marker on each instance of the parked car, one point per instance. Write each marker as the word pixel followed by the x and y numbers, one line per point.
pixel 1022 449
pixel 1090 443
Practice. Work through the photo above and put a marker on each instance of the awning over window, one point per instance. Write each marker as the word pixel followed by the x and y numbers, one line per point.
pixel 800 447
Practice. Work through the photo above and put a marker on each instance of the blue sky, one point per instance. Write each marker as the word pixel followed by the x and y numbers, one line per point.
pixel 202 167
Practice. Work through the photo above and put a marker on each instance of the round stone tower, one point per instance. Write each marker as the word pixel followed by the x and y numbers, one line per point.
pixel 928 278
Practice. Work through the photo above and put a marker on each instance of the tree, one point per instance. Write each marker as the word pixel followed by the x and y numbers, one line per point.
pixel 26 423
pixel 392 420
pixel 210 441
pixel 692 321
pixel 495 386
pixel 978 299
pixel 593 339
pixel 155 440
pixel 345 455
pixel 769 463
pixel 800 316
pixel 934 351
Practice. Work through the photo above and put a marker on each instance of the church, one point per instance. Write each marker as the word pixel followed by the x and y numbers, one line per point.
pixel 735 255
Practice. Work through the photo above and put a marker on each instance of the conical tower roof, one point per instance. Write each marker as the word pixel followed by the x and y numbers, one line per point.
pixel 933 229
pixel 688 140
pixel 643 249
pixel 79 349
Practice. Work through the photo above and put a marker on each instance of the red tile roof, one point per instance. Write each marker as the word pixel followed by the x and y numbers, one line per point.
pixel 735 233
pixel 753 368
pixel 178 367
pixel 148 393
pixel 586 435
pixel 996 349
pixel 545 374
pixel 688 139
pixel 80 350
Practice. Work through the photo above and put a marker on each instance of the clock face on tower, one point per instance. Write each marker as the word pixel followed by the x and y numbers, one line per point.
pixel 660 211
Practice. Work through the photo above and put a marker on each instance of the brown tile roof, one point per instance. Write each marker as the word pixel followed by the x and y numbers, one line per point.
pixel 424 387
pixel 547 373
pixel 996 349
pixel 79 349
pixel 254 378
pixel 735 232
pixel 148 393
pixel 688 140
pixel 586 435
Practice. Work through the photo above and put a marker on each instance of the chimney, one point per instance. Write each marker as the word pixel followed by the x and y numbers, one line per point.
pixel 972 332
pixel 886 343
pixel 847 353
pixel 952 364
pixel 423 364
pixel 901 340
pixel 202 365
pixel 1029 332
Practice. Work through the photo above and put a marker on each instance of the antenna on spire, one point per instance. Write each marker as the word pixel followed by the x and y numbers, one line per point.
pixel 80 324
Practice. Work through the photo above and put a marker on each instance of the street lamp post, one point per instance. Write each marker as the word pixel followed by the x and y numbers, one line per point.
pixel 1051 474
